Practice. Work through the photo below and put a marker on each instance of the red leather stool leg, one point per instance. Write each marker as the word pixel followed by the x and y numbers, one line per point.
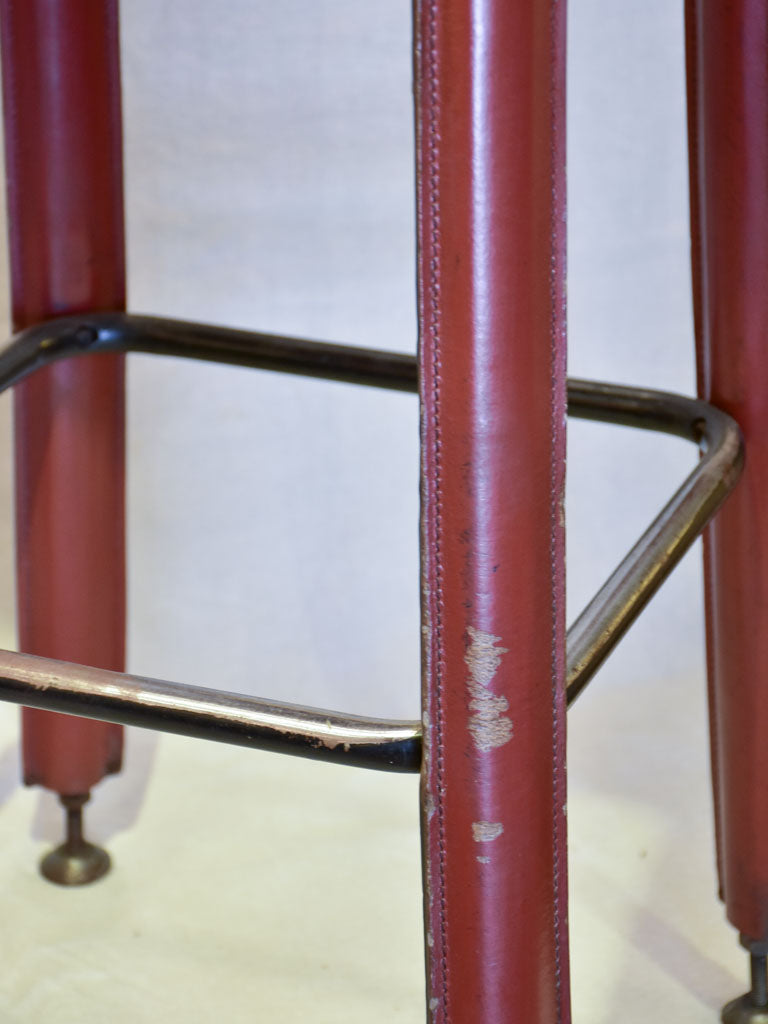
pixel 728 122
pixel 491 193
pixel 60 64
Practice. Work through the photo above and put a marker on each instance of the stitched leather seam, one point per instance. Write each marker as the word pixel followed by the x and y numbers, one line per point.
pixel 433 184
pixel 116 127
pixel 702 355
pixel 13 175
pixel 554 502
pixel 12 152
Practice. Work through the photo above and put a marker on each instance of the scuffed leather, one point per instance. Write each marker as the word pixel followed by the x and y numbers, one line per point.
pixel 728 125
pixel 60 64
pixel 491 200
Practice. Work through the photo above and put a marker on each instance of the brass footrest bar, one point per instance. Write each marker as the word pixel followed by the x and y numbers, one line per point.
pixel 123 332
pixel 329 735
pixel 209 714
pixel 617 604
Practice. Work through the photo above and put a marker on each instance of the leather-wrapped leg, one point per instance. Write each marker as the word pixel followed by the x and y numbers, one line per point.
pixel 728 126
pixel 63 145
pixel 491 198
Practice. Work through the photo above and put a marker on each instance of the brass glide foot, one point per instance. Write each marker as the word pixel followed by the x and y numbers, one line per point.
pixel 744 1011
pixel 751 1008
pixel 76 861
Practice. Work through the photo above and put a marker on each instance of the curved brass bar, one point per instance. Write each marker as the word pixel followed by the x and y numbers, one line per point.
pixel 125 332
pixel 209 714
pixel 329 735
pixel 630 587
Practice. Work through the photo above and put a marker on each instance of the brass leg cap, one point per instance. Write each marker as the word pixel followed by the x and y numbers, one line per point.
pixel 744 1011
pixel 76 861
pixel 78 865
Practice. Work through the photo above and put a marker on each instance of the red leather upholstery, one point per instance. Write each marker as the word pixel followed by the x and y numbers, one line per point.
pixel 728 112
pixel 491 194
pixel 63 153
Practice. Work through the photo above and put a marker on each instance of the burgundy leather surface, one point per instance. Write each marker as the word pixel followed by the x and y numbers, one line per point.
pixel 491 200
pixel 728 120
pixel 60 64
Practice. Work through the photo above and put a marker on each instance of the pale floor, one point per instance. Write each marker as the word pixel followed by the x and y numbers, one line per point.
pixel 249 887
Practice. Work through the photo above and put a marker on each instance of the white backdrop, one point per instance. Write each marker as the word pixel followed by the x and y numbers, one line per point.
pixel 273 520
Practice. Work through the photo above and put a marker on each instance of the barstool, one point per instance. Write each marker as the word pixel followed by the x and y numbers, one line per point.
pixel 498 670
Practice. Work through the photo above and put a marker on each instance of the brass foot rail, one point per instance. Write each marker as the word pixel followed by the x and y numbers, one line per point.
pixel 329 735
